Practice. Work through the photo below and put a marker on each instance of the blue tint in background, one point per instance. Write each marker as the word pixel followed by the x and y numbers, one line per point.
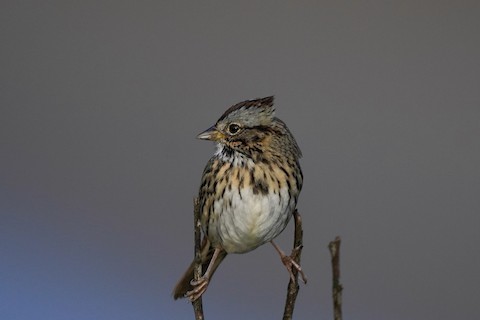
pixel 100 103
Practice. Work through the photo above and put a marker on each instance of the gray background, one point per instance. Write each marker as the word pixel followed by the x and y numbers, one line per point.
pixel 100 105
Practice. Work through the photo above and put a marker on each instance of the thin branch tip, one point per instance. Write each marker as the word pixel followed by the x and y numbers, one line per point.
pixel 337 288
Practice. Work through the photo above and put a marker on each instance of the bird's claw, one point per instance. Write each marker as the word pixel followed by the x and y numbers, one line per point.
pixel 199 287
pixel 291 264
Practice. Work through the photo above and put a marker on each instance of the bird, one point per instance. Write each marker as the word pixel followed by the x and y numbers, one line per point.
pixel 249 189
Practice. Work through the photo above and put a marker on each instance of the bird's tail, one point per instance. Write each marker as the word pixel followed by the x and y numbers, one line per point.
pixel 183 285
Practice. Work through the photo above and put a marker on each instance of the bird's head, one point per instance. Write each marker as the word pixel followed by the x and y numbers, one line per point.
pixel 250 128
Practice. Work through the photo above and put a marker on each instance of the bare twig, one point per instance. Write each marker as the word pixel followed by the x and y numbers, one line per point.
pixel 334 247
pixel 293 286
pixel 197 271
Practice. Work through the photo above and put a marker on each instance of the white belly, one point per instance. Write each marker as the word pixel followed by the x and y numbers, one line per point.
pixel 251 220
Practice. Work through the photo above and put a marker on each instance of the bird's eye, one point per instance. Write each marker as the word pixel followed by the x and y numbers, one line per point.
pixel 233 128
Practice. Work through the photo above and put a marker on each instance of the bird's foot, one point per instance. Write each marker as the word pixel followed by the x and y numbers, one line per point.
pixel 292 265
pixel 199 287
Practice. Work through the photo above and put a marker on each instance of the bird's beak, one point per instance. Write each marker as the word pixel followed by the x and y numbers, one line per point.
pixel 211 134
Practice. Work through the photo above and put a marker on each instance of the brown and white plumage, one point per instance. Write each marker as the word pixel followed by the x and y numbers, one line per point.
pixel 249 188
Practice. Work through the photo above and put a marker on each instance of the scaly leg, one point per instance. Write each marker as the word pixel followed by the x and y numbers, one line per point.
pixel 289 263
pixel 202 283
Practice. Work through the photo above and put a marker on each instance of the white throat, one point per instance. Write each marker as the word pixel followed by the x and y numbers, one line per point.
pixel 237 159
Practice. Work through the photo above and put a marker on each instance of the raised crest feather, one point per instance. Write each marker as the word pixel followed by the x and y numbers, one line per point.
pixel 261 109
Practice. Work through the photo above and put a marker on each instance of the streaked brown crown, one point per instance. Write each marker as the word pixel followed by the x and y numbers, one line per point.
pixel 251 128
